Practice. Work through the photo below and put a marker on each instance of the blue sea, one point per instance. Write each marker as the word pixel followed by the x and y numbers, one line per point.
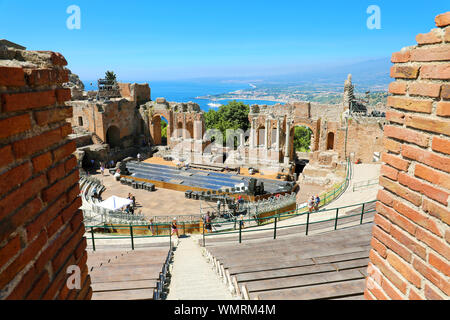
pixel 185 91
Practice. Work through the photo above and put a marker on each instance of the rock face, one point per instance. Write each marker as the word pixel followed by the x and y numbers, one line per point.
pixel 75 85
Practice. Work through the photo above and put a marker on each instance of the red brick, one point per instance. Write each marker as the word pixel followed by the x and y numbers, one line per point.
pixel 390 243
pixel 27 100
pixel 425 89
pixel 401 56
pixel 443 19
pixel 14 125
pixel 437 177
pixel 23 286
pixel 408 241
pixel 404 269
pixel 407 135
pixel 389 172
pixel 436 210
pixel 375 289
pixel 443 110
pixel 445 91
pixel 397 87
pixel 42 162
pixel 14 177
pixel 394 116
pixel 429 38
pixel 410 104
pixel 56 58
pixel 8 251
pixel 12 77
pixel 38 77
pixel 69 212
pixel 427 124
pixel 54 226
pixel 11 223
pixel 385 197
pixel 429 158
pixel 67 249
pixel 63 95
pixel 379 247
pixel 387 272
pixel 19 196
pixel 437 244
pixel 437 71
pixel 39 287
pixel 396 218
pixel 424 188
pixel 404 72
pixel 53 247
pixel 392 145
pixel 382 222
pixel 413 295
pixel 395 161
pixel 52 115
pixel 66 129
pixel 432 275
pixel 430 294
pixel 23 259
pixel 401 191
pixel 439 264
pixel 27 147
pixel 441 145
pixel 41 221
pixel 7 156
pixel 56 173
pixel 64 151
pixel 70 164
pixel 441 53
pixel 58 188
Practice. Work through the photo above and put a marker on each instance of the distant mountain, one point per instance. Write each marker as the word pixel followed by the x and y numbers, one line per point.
pixel 371 74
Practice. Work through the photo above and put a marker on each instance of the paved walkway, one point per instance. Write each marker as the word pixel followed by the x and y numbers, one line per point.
pixel 192 278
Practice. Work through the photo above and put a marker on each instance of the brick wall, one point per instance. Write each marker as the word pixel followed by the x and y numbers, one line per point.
pixel 410 244
pixel 41 229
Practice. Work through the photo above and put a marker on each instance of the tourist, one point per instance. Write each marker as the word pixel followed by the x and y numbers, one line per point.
pixel 174 227
pixel 152 227
pixel 112 163
pixel 311 204
pixel 208 222
pixel 117 175
pixel 218 206
pixel 133 198
pixel 317 202
pixel 139 157
pixel 241 221
pixel 102 169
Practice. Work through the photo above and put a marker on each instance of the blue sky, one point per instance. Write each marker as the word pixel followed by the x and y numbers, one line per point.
pixel 156 40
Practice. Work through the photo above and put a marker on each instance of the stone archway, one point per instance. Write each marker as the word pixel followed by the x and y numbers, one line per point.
pixel 113 136
pixel 330 141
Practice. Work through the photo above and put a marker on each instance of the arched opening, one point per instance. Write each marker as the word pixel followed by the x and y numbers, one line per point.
pixel 113 136
pixel 180 130
pixel 330 141
pixel 164 127
pixel 190 130
pixel 261 136
pixel 302 145
pixel 80 121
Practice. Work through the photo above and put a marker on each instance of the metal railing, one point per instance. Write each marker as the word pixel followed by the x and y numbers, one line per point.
pixel 361 209
pixel 364 184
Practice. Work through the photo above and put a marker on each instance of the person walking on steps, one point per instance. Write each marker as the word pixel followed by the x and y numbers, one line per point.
pixel 175 227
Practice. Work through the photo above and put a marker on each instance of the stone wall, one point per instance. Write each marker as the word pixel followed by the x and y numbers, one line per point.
pixel 41 229
pixel 410 244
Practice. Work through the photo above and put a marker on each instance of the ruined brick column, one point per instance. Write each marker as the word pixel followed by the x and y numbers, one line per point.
pixel 41 228
pixel 410 244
